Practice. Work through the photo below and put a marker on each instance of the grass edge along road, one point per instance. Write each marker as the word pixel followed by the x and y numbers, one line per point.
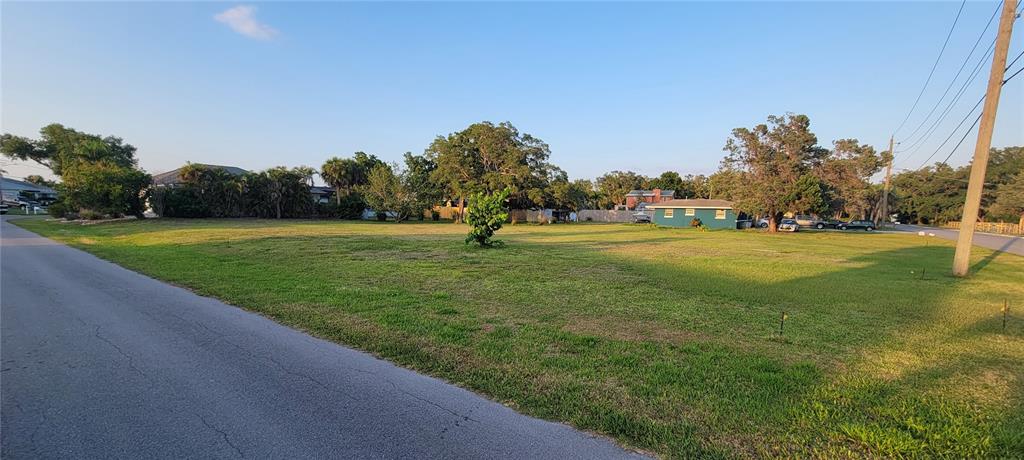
pixel 665 339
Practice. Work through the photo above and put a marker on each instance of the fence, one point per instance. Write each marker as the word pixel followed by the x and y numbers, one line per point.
pixel 604 215
pixel 1002 228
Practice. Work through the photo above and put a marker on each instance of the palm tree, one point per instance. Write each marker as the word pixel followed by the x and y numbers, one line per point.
pixel 339 173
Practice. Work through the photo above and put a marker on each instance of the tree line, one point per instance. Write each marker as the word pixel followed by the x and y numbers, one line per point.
pixel 768 170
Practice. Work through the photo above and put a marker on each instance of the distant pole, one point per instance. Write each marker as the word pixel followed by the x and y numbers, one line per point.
pixel 888 177
pixel 980 163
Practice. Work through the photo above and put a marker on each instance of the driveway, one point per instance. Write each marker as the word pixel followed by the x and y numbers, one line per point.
pixel 101 362
pixel 1004 243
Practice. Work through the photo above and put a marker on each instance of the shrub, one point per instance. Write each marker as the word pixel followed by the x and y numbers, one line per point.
pixel 57 209
pixel 696 223
pixel 89 214
pixel 486 214
pixel 434 215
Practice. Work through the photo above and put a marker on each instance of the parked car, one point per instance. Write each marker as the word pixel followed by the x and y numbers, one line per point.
pixel 866 225
pixel 3 209
pixel 641 218
pixel 762 223
pixel 810 221
pixel 788 225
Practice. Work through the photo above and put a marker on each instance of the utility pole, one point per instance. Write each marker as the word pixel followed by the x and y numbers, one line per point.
pixel 888 177
pixel 979 164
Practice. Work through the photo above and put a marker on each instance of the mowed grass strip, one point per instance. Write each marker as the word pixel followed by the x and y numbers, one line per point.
pixel 666 339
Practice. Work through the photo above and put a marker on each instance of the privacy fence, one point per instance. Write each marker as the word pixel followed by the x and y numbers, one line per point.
pixel 605 215
pixel 1002 228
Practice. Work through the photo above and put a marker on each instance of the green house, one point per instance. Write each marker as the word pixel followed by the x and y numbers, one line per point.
pixel 680 213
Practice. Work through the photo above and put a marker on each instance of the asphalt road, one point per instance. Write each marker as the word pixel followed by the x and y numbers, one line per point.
pixel 1005 243
pixel 101 362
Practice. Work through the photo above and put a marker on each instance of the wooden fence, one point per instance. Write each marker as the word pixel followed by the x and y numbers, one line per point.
pixel 1002 228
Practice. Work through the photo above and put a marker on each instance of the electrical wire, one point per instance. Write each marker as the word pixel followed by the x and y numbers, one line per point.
pixel 958 72
pixel 932 72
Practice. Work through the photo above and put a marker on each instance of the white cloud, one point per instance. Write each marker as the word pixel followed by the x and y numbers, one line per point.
pixel 242 19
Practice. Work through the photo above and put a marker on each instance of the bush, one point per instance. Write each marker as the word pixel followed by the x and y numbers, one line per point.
pixel 104 188
pixel 486 214
pixel 57 209
pixel 434 215
pixel 696 223
pixel 89 214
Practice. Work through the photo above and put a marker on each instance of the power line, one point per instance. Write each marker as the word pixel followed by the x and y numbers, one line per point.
pixel 958 72
pixel 968 132
pixel 932 72
pixel 916 145
pixel 951 134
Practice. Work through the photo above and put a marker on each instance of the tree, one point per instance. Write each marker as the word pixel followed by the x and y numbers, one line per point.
pixel 574 195
pixel 771 159
pixel 36 179
pixel 669 180
pixel 346 175
pixel 487 213
pixel 419 180
pixel 104 188
pixel 615 185
pixel 59 147
pixel 486 157
pixel 98 173
pixel 847 172
pixel 933 194
pixel 1009 200
pixel 387 191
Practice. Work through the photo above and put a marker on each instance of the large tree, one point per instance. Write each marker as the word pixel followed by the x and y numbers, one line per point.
pixel 346 175
pixel 1009 200
pixel 615 185
pixel 59 148
pixel 97 173
pixel 847 172
pixel 772 158
pixel 488 157
pixel 418 178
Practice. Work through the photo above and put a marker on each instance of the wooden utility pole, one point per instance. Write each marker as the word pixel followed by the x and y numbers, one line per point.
pixel 888 177
pixel 980 163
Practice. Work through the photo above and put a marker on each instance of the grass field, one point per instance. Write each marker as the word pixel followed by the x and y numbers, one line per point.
pixel 665 339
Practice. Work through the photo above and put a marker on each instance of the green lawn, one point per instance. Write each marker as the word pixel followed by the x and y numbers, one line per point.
pixel 665 339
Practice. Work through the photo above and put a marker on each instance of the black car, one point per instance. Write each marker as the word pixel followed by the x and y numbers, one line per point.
pixel 866 225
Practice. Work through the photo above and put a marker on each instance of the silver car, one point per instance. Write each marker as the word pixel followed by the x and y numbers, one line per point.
pixel 788 225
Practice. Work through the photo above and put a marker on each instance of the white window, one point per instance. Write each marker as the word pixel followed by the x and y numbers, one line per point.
pixel 668 213
pixel 719 214
pixel 689 211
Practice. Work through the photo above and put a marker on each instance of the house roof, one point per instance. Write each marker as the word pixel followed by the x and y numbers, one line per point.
pixel 697 203
pixel 650 193
pixel 6 183
pixel 174 177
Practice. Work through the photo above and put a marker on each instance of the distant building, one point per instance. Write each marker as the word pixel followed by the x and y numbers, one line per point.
pixel 643 197
pixel 173 178
pixel 15 191
pixel 321 194
pixel 680 213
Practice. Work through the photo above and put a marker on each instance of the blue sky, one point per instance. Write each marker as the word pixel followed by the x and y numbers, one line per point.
pixel 644 87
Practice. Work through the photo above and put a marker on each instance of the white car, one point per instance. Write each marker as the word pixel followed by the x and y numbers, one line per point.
pixel 788 225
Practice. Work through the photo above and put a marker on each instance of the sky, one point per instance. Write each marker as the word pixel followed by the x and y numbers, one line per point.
pixel 646 87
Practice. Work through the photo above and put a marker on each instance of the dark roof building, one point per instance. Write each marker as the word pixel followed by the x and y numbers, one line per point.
pixel 12 190
pixel 171 178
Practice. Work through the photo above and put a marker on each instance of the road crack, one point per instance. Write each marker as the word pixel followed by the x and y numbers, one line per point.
pixel 223 436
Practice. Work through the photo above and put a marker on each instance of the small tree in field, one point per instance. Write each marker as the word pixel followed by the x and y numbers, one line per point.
pixel 486 214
